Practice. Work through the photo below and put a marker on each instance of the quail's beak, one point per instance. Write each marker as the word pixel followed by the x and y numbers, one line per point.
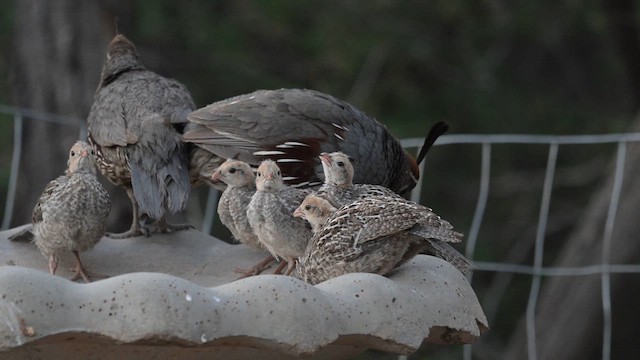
pixel 215 178
pixel 83 161
pixel 298 213
pixel 325 158
pixel 268 176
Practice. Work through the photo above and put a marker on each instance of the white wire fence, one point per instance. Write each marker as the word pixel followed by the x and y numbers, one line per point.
pixel 536 270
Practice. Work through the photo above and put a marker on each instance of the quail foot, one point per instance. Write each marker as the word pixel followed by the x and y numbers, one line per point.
pixel 271 217
pixel 71 213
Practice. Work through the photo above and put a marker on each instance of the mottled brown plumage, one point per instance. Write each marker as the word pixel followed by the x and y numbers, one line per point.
pixel 292 127
pixel 339 190
pixel 373 234
pixel 270 214
pixel 134 126
pixel 72 211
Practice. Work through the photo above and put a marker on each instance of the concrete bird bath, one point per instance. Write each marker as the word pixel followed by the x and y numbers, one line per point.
pixel 175 296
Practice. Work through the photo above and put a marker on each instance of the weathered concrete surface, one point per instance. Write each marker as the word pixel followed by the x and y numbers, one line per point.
pixel 174 297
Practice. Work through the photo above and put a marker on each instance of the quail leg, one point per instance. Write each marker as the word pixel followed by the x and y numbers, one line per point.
pixel 81 272
pixel 291 265
pixel 163 227
pixel 136 229
pixel 256 269
pixel 281 266
pixel 53 264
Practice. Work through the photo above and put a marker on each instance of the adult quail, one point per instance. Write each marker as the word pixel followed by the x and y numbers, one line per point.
pixel 71 213
pixel 134 126
pixel 292 127
pixel 233 204
pixel 270 214
pixel 373 234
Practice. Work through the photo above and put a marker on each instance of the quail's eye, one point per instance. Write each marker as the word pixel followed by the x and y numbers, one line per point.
pixel 308 207
pixel 278 173
pixel 232 171
pixel 259 174
pixel 340 163
pixel 73 153
pixel 93 152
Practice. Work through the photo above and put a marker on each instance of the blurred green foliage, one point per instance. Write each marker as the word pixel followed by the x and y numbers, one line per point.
pixel 486 66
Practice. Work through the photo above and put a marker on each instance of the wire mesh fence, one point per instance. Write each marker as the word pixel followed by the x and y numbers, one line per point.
pixel 536 270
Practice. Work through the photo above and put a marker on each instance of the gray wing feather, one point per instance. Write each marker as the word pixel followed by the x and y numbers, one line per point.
pixel 255 121
pixel 437 232
pixel 159 173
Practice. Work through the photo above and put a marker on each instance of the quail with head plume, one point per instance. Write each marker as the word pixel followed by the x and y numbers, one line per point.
pixel 292 127
pixel 134 126
pixel 71 213
pixel 270 214
pixel 373 234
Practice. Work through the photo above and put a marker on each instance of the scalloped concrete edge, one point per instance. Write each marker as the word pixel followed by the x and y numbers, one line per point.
pixel 157 314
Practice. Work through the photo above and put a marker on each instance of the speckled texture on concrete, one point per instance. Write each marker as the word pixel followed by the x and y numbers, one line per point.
pixel 174 296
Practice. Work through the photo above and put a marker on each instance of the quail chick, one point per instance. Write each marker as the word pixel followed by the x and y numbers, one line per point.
pixel 292 127
pixel 135 126
pixel 373 234
pixel 233 204
pixel 339 190
pixel 72 211
pixel 338 185
pixel 270 214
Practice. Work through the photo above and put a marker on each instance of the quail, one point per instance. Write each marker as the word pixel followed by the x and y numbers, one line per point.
pixel 292 127
pixel 135 126
pixel 233 204
pixel 339 190
pixel 373 234
pixel 71 213
pixel 270 214
pixel 338 187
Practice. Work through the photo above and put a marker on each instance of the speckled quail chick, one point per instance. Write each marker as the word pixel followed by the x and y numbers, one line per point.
pixel 135 126
pixel 373 234
pixel 338 185
pixel 292 127
pixel 233 205
pixel 270 214
pixel 72 211
pixel 339 190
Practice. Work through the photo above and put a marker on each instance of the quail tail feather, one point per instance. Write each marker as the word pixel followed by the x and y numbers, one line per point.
pixel 451 255
pixel 167 186
pixel 436 232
